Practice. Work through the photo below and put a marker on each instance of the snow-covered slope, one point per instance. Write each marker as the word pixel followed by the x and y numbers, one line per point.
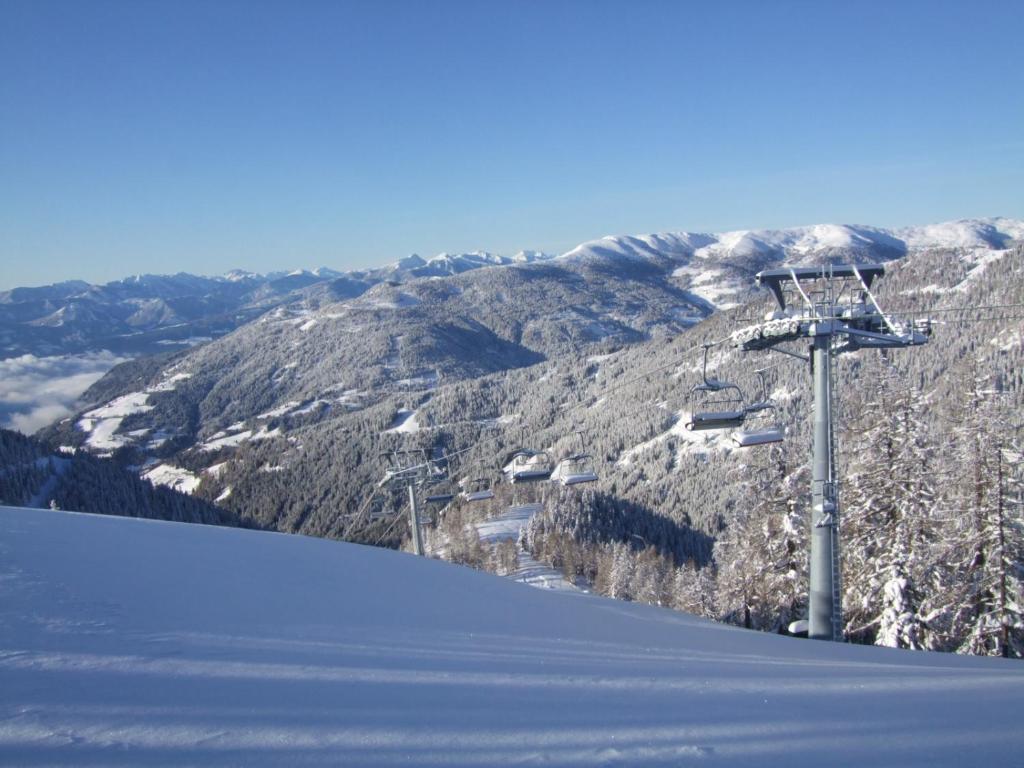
pixel 797 243
pixel 508 526
pixel 717 267
pixel 129 642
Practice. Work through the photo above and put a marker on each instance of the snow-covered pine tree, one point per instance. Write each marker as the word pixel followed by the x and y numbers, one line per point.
pixel 761 557
pixel 621 578
pixel 652 578
pixel 986 553
pixel 693 590
pixel 890 520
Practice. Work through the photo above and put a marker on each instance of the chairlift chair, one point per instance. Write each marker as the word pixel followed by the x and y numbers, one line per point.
pixel 705 420
pixel 764 434
pixel 574 470
pixel 528 467
pixel 748 438
pixel 577 468
pixel 439 498
pixel 476 489
pixel 720 393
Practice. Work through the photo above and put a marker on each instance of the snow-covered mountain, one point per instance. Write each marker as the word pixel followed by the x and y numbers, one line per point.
pixel 797 243
pixel 281 421
pixel 152 313
pixel 717 267
pixel 453 264
pixel 132 642
pixel 156 313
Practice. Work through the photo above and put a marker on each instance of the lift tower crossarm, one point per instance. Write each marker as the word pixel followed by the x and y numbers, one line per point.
pixel 773 279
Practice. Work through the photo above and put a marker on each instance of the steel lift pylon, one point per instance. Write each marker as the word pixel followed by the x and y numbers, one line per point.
pixel 831 307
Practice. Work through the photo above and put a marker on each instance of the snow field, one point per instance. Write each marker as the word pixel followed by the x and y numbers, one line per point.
pixel 131 642
pixel 696 443
pixel 103 423
pixel 173 477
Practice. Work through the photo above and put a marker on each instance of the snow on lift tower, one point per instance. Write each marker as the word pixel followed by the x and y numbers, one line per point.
pixel 832 307
pixel 765 434
pixel 721 403
pixel 476 489
pixel 528 467
pixel 577 468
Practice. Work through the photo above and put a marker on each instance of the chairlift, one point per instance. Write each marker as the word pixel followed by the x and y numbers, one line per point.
pixel 439 498
pixel 748 438
pixel 715 385
pixel 766 433
pixel 575 469
pixel 720 393
pixel 528 467
pixel 705 420
pixel 476 489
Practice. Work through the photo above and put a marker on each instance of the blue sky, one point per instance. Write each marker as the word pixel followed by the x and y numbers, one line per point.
pixel 154 136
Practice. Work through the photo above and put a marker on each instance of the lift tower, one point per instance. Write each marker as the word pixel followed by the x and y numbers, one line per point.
pixel 832 307
pixel 412 470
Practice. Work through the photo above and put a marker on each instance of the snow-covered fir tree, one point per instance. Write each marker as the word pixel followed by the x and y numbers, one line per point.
pixel 986 539
pixel 890 520
pixel 762 556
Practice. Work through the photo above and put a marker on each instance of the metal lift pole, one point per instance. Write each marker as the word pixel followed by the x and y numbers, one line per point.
pixel 414 522
pixel 821 608
pixel 823 321
pixel 413 469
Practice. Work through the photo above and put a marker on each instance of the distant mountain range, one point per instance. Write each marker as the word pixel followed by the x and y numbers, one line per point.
pixel 153 313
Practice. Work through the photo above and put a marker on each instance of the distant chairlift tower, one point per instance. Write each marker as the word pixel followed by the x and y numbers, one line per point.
pixel 833 307
pixel 412 470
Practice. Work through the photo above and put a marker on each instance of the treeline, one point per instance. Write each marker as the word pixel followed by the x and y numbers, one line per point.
pixel 30 475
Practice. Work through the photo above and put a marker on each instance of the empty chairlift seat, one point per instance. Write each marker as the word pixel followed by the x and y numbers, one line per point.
pixel 703 420
pixel 575 470
pixel 764 431
pixel 439 498
pixel 476 489
pixel 747 438
pixel 528 467
pixel 715 393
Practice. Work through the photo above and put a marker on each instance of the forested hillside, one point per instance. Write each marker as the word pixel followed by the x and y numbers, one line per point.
pixel 32 476
pixel 930 454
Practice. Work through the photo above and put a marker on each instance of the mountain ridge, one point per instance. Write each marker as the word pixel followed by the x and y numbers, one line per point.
pixel 147 313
